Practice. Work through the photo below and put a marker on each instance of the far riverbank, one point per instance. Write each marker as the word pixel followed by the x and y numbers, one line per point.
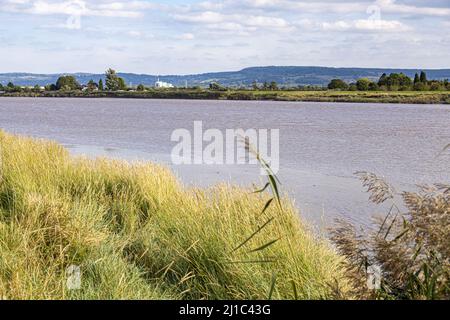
pixel 406 97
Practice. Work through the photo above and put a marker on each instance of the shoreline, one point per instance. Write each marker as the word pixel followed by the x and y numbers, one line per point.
pixel 397 97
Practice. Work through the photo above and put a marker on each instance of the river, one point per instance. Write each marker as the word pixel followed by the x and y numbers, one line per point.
pixel 321 144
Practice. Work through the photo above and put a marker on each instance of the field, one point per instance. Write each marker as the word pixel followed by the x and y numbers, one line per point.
pixel 419 97
pixel 136 233
pixel 409 97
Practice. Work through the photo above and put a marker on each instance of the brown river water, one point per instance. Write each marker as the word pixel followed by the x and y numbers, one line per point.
pixel 321 144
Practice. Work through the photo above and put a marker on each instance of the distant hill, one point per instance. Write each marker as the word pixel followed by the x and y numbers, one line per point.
pixel 285 76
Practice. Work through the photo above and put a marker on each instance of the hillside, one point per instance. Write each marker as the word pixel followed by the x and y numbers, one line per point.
pixel 286 76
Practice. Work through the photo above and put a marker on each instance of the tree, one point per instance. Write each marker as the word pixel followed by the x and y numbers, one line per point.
pixel 67 83
pixel 216 87
pixel 383 80
pixel 437 85
pixel 273 86
pixel 352 87
pixel 100 85
pixel 50 87
pixel 11 87
pixel 1 87
pixel 37 88
pixel 363 84
pixel 122 84
pixel 423 77
pixel 92 86
pixel 394 82
pixel 373 86
pixel 337 84
pixel 416 78
pixel 421 86
pixel 113 81
pixel 255 85
pixel 140 87
pixel 405 81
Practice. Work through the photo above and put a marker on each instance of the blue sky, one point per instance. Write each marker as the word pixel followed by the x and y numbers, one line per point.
pixel 181 37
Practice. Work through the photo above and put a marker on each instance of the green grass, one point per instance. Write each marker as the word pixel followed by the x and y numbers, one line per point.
pixel 409 97
pixel 137 233
pixel 413 97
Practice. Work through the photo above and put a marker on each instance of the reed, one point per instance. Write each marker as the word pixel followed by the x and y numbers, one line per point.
pixel 410 247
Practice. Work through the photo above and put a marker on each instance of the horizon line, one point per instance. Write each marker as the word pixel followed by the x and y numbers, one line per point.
pixel 226 71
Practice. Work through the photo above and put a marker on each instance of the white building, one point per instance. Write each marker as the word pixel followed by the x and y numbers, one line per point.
pixel 162 84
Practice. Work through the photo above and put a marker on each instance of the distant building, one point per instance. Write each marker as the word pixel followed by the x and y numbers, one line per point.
pixel 89 87
pixel 162 84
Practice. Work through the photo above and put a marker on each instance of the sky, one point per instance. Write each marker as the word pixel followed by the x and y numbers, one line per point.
pixel 185 37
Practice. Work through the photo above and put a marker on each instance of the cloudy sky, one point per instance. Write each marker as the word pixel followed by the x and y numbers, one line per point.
pixel 180 37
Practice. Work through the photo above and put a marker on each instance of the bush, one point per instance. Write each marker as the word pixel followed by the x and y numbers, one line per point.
pixel 363 84
pixel 337 84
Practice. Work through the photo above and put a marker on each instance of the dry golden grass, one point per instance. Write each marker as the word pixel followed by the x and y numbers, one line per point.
pixel 137 233
pixel 411 247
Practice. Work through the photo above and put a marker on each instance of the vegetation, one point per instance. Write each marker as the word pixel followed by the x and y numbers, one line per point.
pixel 411 248
pixel 92 86
pixel 392 82
pixel 67 83
pixel 393 88
pixel 100 85
pixel 411 97
pixel 337 84
pixel 137 233
pixel 114 82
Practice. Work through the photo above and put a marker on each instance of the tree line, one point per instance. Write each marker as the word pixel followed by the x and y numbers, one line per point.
pixel 392 82
pixel 69 83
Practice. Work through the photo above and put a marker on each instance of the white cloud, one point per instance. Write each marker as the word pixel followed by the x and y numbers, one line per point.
pixel 134 33
pixel 264 22
pixel 232 21
pixel 366 25
pixel 207 5
pixel 326 7
pixel 130 5
pixel 186 36
pixel 277 31
pixel 380 25
pixel 203 17
pixel 302 6
pixel 132 9
pixel 391 6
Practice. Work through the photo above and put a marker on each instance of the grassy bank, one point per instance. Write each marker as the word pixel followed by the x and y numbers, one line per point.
pixel 137 233
pixel 412 97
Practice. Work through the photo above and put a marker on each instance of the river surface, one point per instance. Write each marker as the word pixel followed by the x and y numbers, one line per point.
pixel 321 144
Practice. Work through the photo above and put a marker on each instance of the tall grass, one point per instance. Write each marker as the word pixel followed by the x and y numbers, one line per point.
pixel 411 246
pixel 137 233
